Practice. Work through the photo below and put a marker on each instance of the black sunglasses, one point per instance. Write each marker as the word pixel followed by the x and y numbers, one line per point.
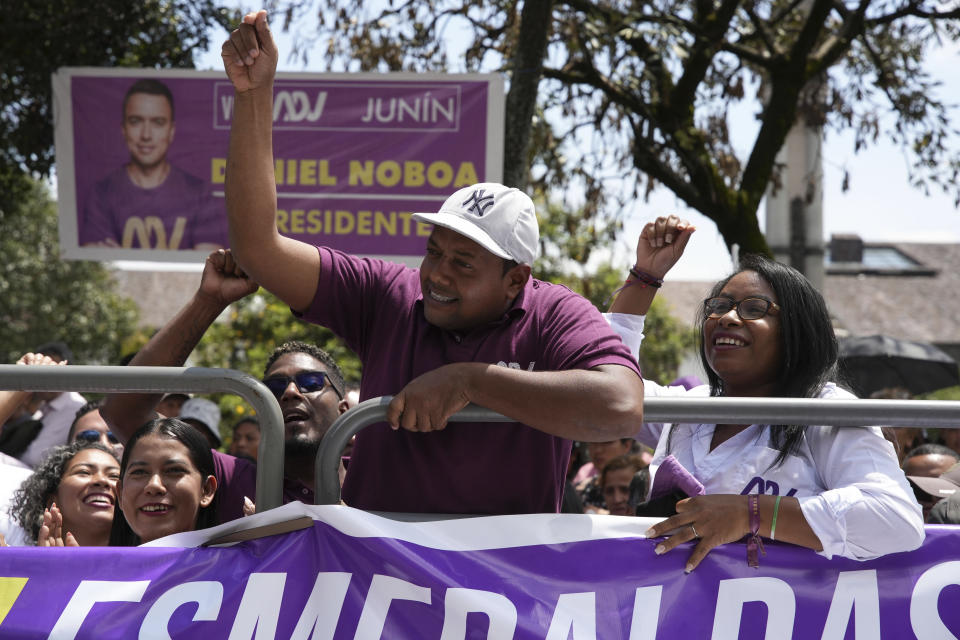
pixel 306 381
pixel 91 435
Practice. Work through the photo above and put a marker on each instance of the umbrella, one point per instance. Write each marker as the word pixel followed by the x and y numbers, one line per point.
pixel 871 363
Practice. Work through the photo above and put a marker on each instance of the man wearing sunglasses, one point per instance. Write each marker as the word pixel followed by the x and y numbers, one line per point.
pixel 470 326
pixel 89 426
pixel 306 381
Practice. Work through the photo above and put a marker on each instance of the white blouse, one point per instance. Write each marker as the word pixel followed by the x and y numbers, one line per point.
pixel 851 489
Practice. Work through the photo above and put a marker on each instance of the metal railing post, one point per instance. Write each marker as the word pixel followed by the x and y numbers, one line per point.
pixel 363 415
pixel 802 411
pixel 97 379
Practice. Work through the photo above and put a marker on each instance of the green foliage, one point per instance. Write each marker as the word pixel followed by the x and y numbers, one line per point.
pixel 45 298
pixel 569 239
pixel 596 285
pixel 42 297
pixel 667 341
pixel 950 393
pixel 258 324
pixel 44 35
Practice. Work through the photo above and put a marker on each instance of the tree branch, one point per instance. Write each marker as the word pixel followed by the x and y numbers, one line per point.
pixel 595 79
pixel 786 11
pixel 758 59
pixel 648 160
pixel 837 46
pixel 913 10
pixel 813 26
pixel 707 44
pixel 760 29
pixel 779 114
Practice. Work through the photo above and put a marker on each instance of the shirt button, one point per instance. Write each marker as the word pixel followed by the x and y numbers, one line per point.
pixel 303 491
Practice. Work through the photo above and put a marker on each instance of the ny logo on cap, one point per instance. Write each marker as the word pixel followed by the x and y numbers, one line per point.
pixel 480 203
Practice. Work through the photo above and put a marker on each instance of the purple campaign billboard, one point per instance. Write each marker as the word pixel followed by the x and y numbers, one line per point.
pixel 141 158
pixel 354 575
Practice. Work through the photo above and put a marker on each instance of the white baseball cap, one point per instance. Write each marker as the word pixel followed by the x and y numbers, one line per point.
pixel 500 219
pixel 203 411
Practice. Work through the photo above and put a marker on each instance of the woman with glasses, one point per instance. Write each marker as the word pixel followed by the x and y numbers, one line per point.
pixel 765 331
pixel 69 499
pixel 166 485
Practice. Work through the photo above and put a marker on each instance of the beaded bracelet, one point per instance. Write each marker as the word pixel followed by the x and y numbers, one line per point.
pixel 753 541
pixel 646 278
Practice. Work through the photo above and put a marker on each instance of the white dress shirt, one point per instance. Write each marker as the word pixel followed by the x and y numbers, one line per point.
pixel 848 480
pixel 12 474
pixel 851 489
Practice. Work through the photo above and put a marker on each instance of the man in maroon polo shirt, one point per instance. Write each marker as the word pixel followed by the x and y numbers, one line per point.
pixel 470 325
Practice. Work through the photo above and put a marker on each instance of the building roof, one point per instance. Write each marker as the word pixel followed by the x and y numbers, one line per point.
pixel 158 294
pixel 921 307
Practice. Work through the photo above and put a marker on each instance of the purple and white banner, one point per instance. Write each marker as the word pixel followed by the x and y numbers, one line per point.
pixel 141 157
pixel 350 574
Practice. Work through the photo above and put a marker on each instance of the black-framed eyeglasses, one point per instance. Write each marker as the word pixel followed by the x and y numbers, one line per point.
pixel 91 435
pixel 306 381
pixel 751 308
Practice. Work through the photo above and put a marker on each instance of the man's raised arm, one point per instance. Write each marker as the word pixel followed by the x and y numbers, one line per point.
pixel 222 283
pixel 287 268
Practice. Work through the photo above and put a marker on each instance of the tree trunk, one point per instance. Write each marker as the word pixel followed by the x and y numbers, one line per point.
pixel 741 228
pixel 531 47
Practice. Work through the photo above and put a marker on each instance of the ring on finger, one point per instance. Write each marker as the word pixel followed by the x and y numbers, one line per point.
pixel 692 528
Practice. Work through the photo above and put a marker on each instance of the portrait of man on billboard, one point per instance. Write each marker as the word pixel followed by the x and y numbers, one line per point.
pixel 148 203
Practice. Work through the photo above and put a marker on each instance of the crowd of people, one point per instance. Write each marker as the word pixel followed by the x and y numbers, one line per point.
pixel 471 326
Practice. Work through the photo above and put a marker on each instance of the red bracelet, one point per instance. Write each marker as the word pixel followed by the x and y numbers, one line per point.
pixel 753 541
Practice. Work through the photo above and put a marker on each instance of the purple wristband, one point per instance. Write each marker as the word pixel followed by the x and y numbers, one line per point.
pixel 754 543
pixel 646 278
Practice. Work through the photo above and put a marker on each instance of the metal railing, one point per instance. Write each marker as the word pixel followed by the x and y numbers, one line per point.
pixel 802 411
pixel 94 379
pixel 97 379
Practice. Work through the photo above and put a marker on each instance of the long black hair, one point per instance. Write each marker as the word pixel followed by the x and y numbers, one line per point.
pixel 808 345
pixel 198 448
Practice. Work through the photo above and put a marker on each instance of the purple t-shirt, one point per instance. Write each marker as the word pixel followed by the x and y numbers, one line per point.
pixel 178 214
pixel 237 478
pixel 488 467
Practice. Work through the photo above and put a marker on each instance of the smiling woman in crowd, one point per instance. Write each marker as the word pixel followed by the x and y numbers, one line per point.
pixel 167 483
pixel 765 332
pixel 70 498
